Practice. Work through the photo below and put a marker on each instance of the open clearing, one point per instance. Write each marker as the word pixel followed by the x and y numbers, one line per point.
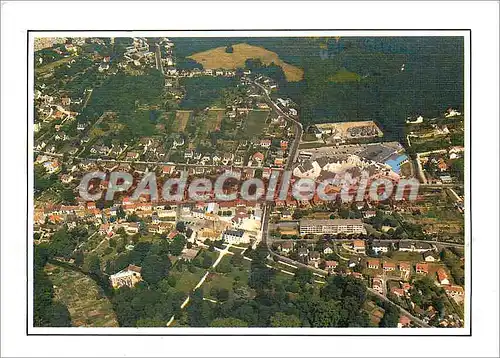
pixel 219 58
pixel 50 66
pixel 181 119
pixel 255 122
pixel 214 120
pixel 344 76
pixel 86 302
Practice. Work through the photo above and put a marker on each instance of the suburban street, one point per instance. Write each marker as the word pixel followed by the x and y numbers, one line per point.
pixel 292 155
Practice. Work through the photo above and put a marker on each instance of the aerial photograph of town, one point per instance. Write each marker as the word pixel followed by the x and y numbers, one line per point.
pixel 260 182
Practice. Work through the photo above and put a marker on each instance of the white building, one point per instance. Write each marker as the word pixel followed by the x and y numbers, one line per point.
pixel 235 237
pixel 126 277
pixel 331 226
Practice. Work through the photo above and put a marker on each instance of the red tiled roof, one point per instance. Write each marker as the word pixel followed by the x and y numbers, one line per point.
pixel 134 268
pixel 373 262
pixel 422 267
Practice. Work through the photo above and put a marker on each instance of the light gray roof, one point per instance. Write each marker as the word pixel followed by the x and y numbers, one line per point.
pixel 304 222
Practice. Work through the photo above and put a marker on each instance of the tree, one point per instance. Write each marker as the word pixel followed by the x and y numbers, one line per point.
pixel 79 258
pixel 207 261
pixel 198 310
pixel 237 259
pixel 59 315
pixel 303 276
pixel 391 316
pixel 324 313
pixel 62 244
pixel 280 319
pixel 229 49
pixel 223 294
pixel 154 268
pixel 177 245
pixel 223 267
pixel 93 264
pixel 228 322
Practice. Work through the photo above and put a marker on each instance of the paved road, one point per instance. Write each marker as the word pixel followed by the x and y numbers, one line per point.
pixel 158 58
pixel 292 156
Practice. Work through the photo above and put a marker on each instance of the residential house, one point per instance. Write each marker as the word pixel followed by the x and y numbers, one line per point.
pixel 286 246
pixel 373 264
pixel 359 246
pixel 132 155
pixel 258 157
pixel 404 322
pixel 452 290
pixel 168 169
pixel 302 251
pixel 189 254
pixel 314 258
pixel 131 228
pixel 369 214
pixel 404 266
pixel 330 265
pixel 388 266
pixel 429 256
pixel 409 246
pixel 442 276
pixel 265 143
pixel 380 246
pixel 378 284
pixel 397 291
pixel 328 250
pixel 422 268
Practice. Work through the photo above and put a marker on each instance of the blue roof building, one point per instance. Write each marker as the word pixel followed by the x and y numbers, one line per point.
pixel 395 162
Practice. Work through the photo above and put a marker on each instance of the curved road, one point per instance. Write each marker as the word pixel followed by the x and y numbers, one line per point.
pixel 292 156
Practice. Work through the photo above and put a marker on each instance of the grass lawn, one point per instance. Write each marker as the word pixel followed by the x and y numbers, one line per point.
pixel 219 58
pixel 185 280
pixel 255 122
pixel 235 250
pixel 310 145
pixel 413 257
pixel 344 76
pixel 86 303
pixel 52 65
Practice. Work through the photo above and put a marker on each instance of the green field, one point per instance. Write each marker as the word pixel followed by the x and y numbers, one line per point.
pixel 344 76
pixel 185 280
pixel 255 122
pixel 50 66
